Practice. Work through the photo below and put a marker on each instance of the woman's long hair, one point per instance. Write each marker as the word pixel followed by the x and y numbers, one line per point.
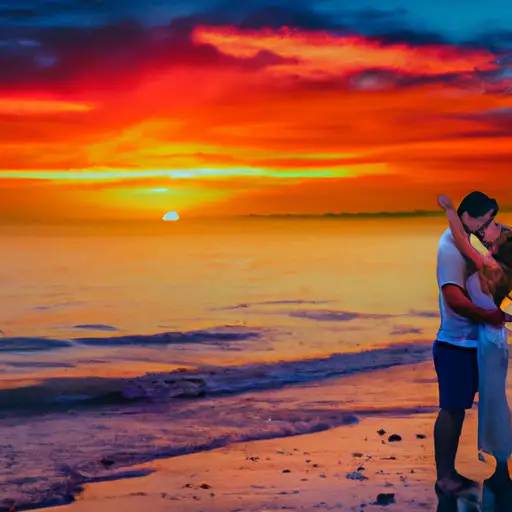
pixel 497 282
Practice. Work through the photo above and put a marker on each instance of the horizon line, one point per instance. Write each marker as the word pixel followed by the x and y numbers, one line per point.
pixel 291 216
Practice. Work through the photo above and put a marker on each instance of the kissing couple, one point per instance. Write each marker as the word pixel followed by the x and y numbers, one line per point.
pixel 471 351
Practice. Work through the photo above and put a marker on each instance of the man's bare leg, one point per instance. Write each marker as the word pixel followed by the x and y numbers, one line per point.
pixel 447 430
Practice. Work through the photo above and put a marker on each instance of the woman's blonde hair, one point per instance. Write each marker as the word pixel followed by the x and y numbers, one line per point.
pixel 497 281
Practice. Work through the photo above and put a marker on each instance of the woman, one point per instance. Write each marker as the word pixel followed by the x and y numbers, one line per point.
pixel 488 285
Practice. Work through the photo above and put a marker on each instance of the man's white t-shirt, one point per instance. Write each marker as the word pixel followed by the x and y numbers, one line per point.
pixel 451 269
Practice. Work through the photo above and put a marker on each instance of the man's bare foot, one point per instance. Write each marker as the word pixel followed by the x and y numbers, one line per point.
pixel 466 482
pixel 455 484
pixel 448 486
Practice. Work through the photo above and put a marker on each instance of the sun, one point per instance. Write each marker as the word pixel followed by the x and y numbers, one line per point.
pixel 171 216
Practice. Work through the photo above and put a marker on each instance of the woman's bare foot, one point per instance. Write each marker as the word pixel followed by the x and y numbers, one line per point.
pixel 499 480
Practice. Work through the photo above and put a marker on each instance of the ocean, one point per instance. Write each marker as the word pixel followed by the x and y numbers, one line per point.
pixel 123 345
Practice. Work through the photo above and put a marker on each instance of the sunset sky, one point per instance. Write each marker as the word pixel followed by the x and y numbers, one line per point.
pixel 126 109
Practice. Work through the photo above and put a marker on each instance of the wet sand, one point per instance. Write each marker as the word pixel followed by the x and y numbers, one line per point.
pixel 348 468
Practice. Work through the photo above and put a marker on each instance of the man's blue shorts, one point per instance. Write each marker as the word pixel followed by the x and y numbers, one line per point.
pixel 457 375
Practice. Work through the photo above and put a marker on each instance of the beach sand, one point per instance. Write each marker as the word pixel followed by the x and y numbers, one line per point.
pixel 306 473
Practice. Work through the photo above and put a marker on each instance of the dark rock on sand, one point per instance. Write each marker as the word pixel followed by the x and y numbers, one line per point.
pixel 420 436
pixel 381 432
pixel 393 438
pixel 286 471
pixel 356 475
pixel 385 498
pixel 205 486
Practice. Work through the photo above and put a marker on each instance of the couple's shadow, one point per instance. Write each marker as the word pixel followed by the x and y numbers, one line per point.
pixel 490 499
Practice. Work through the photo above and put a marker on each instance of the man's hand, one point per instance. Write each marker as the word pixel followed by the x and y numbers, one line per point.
pixel 445 202
pixel 489 261
pixel 495 318
pixel 460 304
pixel 499 317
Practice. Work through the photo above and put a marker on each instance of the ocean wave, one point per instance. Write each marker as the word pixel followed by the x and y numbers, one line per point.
pixel 296 302
pixel 96 327
pixel 239 379
pixel 226 333
pixel 61 492
pixel 64 448
pixel 205 381
pixel 335 315
pixel 32 344
pixel 59 467
pixel 37 364
pixel 212 335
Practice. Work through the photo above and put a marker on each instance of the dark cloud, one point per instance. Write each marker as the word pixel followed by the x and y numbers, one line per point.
pixel 111 56
pixel 251 14
pixel 489 123
pixel 392 22
pixel 497 41
pixel 410 36
pixel 106 44
pixel 277 16
pixel 51 13
pixel 17 14
pixel 386 26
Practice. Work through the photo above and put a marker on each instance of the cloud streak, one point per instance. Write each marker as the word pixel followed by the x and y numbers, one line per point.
pixel 267 105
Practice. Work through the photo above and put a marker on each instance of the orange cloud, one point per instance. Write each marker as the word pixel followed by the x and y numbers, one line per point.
pixel 21 106
pixel 320 53
pixel 257 121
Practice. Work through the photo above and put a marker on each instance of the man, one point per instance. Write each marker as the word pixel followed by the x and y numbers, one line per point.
pixel 455 348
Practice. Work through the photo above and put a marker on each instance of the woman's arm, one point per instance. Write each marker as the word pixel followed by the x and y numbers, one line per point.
pixel 460 236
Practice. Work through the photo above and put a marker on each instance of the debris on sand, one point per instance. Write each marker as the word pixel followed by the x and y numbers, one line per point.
pixel 356 475
pixel 385 498
pixel 393 438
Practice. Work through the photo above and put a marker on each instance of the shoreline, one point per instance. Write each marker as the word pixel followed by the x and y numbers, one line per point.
pixel 288 413
pixel 344 468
